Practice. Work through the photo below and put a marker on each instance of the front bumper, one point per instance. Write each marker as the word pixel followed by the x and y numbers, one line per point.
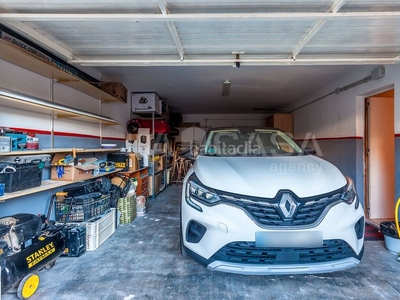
pixel 227 224
pixel 315 268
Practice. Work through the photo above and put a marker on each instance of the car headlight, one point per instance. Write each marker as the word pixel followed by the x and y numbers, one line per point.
pixel 349 192
pixel 195 190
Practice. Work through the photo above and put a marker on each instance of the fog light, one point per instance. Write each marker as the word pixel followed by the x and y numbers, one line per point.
pixel 195 232
pixel 359 228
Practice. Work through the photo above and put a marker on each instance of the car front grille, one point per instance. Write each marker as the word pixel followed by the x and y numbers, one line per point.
pixel 271 212
pixel 248 253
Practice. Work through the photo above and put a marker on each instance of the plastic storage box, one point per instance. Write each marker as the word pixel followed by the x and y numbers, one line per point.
pixel 82 208
pixel 99 229
pixel 20 173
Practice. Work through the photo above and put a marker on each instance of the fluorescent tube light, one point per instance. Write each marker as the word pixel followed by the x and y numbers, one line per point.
pixel 29 100
pixel 226 88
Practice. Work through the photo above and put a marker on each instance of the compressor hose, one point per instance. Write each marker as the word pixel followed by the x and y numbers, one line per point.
pixel 396 215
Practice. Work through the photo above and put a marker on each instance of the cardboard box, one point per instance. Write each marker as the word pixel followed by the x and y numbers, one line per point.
pixel 134 161
pixel 70 173
pixel 115 89
pixel 146 103
pixel 5 144
pixel 131 143
pixel 157 184
pixel 131 137
pixel 162 162
pixel 131 147
pixel 144 141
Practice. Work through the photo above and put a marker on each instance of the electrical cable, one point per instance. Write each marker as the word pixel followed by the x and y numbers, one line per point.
pixel 337 91
pixel 397 217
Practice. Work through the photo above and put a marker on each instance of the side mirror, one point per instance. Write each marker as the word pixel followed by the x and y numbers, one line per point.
pixel 310 151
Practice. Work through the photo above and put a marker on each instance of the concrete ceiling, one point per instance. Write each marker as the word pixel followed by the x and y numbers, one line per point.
pixel 185 49
pixel 199 89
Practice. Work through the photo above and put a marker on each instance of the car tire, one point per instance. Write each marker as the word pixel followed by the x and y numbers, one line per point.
pixel 183 250
pixel 182 247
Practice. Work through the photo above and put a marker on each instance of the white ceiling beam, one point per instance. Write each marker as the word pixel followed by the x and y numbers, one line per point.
pixel 307 37
pixel 335 6
pixel 196 17
pixel 332 9
pixel 47 43
pixel 229 62
pixel 172 29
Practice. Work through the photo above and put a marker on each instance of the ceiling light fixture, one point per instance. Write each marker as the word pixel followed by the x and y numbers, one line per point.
pixel 226 88
pixel 237 61
pixel 33 101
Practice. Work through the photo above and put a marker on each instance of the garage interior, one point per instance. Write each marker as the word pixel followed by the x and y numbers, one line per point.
pixel 328 68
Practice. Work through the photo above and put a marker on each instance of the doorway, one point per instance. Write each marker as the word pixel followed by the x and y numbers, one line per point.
pixel 379 153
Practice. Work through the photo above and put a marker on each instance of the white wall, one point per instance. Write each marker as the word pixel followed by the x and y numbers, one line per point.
pixel 214 120
pixel 342 115
pixel 195 135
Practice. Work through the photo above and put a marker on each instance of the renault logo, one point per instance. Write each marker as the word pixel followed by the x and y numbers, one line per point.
pixel 287 205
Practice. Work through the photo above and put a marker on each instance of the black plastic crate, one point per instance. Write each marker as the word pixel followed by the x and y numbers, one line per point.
pixel 75 240
pixel 82 208
pixel 17 177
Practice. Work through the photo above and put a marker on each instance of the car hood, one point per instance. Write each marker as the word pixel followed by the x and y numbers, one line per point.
pixel 305 176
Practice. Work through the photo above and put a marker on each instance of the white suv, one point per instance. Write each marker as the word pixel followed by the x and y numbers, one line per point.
pixel 254 202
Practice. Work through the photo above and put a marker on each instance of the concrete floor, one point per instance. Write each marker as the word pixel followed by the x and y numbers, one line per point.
pixel 142 260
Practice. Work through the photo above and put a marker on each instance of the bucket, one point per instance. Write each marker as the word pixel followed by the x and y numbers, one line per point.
pixel 392 240
pixel 392 244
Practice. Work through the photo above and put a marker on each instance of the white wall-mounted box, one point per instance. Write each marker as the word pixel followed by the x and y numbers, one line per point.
pixel 145 103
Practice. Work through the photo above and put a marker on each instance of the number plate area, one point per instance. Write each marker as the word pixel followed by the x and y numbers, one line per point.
pixel 289 239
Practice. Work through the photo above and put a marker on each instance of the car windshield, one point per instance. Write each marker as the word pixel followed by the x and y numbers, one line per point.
pixel 248 142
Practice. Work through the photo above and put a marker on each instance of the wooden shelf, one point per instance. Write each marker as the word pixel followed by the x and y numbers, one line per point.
pixel 142 177
pixel 56 150
pixel 47 185
pixel 131 172
pixel 30 62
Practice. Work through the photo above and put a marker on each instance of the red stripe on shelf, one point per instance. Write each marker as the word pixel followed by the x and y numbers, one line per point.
pixel 341 138
pixel 30 131
pixel 334 138
pixel 75 135
pixel 113 138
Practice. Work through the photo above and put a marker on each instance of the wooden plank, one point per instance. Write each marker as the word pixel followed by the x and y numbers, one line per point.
pixel 376 222
pixel 48 185
pixel 30 62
